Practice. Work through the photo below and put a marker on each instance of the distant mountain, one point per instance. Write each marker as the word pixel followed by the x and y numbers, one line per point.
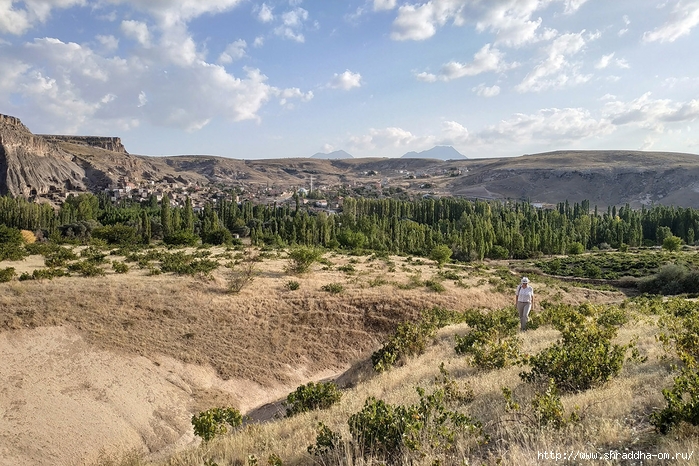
pixel 437 152
pixel 338 154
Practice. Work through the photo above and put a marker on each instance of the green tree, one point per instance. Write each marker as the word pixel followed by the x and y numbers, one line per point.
pixel 440 254
pixel 672 243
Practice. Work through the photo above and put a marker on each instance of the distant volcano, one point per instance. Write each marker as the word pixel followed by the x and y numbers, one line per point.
pixel 437 152
pixel 338 154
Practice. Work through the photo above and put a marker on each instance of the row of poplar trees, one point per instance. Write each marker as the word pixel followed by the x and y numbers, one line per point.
pixel 474 229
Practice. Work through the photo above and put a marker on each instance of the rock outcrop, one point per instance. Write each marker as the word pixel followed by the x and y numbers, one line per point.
pixel 108 143
pixel 30 165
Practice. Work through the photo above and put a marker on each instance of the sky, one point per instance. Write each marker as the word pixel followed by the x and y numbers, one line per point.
pixel 253 79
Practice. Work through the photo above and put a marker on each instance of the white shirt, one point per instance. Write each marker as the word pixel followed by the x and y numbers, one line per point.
pixel 525 294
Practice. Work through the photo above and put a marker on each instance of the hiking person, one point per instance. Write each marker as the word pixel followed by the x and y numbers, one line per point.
pixel 524 301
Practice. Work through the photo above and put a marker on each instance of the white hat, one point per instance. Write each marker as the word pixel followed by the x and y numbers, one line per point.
pixel 525 280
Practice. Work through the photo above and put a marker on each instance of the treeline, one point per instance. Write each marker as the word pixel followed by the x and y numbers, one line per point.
pixel 472 229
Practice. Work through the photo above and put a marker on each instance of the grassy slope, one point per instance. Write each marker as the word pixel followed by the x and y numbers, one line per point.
pixel 271 335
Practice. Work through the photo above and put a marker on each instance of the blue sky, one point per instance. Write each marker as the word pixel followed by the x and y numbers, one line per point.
pixel 289 78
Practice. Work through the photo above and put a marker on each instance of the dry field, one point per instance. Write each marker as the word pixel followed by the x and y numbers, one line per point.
pixel 95 367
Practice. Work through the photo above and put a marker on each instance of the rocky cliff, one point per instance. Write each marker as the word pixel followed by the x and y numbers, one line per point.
pixel 108 143
pixel 30 165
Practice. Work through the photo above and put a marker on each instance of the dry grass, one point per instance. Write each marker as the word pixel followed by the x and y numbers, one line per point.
pixel 279 338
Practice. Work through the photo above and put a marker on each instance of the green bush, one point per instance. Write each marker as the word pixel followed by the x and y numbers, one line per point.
pixel 302 258
pixel 43 274
pixel 582 359
pixel 7 274
pixel 186 264
pixel 59 256
pixel 218 237
pixel 94 255
pixel 671 279
pixel 672 243
pixel 576 248
pixel 86 268
pixel 311 397
pixel 492 341
pixel 435 285
pixel 117 234
pixel 392 433
pixel 333 288
pixel 216 421
pixel 181 238
pixel 11 244
pixel 441 254
pixel 681 333
pixel 292 285
pixel 120 267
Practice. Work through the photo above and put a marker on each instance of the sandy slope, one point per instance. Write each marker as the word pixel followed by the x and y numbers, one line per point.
pixel 63 401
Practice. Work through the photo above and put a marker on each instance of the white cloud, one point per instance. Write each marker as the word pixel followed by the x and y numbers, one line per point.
pixel 683 18
pixel 110 43
pixel 394 137
pixel 484 91
pixel 607 60
pixel 168 84
pixel 259 42
pixel 420 22
pixel 555 70
pixel 137 31
pixel 292 25
pixel 487 59
pixel 285 95
pixel 625 29
pixel 381 5
pixel 234 51
pixel 552 125
pixel 346 81
pixel 454 133
pixel 19 20
pixel 653 114
pixel 171 12
pixel 265 14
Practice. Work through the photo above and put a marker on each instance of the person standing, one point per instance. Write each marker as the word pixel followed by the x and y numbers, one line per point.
pixel 524 300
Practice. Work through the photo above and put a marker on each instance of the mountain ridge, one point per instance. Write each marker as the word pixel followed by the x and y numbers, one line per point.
pixel 34 166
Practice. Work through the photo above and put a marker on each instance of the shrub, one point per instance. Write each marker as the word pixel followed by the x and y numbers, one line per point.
pixel 333 288
pixel 292 285
pixel 410 338
pixel 11 244
pixel 311 397
pixel 7 274
pixel 441 254
pixel 86 268
pixel 243 275
pixel 546 408
pixel 186 264
pixel 390 433
pixel 218 237
pixel 117 234
pixel 181 238
pixel 576 248
pixel 216 421
pixel 671 279
pixel 435 285
pixel 28 237
pixel 491 342
pixel 302 258
pixel 93 255
pixel 59 256
pixel 672 243
pixel 498 252
pixel 680 332
pixel 327 441
pixel 120 267
pixel 584 358
pixel 348 269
